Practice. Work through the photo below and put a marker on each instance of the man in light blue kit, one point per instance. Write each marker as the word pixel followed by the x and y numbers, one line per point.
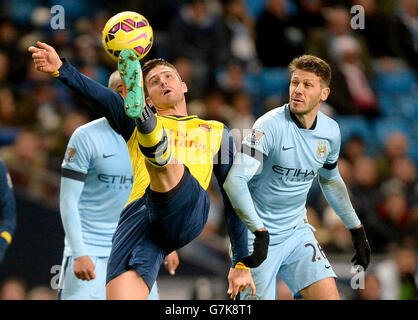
pixel 270 179
pixel 96 182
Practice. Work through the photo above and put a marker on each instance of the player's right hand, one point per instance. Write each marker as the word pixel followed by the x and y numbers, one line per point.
pixel 45 57
pixel 260 249
pixel 84 268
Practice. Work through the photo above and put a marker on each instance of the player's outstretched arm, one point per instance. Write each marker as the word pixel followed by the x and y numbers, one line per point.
pixel 103 100
pixel 239 277
pixel 336 194
pixel 236 187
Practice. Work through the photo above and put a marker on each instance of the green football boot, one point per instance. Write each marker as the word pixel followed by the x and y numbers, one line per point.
pixel 133 84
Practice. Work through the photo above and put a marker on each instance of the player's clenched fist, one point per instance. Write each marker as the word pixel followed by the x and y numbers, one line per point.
pixel 45 58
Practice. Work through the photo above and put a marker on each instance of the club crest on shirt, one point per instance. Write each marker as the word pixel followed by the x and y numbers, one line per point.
pixel 255 137
pixel 322 149
pixel 69 154
pixel 205 127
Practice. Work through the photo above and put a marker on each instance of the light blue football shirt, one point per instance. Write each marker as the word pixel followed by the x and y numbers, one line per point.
pixel 292 158
pixel 99 155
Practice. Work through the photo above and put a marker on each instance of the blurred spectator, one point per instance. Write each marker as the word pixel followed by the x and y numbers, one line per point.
pixel 364 191
pixel 278 40
pixel 41 293
pixel 377 31
pixel 393 225
pixel 202 289
pixel 216 107
pixel 406 25
pixel 396 146
pixel 403 169
pixel 4 67
pixel 231 79
pixel 398 275
pixel 8 110
pixel 372 288
pixel 339 236
pixel 354 148
pixel 13 289
pixel 198 34
pixel 242 122
pixel 345 168
pixel 56 141
pixel 241 28
pixel 309 15
pixel 320 41
pixel 187 73
pixel 352 92
pixel 27 164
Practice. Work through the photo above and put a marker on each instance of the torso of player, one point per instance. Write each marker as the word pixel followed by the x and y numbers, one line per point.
pixel 193 141
pixel 96 150
pixel 109 178
pixel 294 157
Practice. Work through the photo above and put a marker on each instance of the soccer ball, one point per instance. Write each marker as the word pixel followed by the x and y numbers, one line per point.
pixel 127 30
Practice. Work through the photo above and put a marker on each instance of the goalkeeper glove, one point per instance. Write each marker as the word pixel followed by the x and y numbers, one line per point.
pixel 362 247
pixel 260 246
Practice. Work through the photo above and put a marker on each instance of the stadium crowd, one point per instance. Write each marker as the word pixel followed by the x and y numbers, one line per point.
pixel 233 54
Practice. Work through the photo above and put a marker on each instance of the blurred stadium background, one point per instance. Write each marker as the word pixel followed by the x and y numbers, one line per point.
pixel 233 56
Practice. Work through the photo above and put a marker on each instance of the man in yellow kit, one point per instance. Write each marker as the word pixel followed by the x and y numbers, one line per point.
pixel 169 205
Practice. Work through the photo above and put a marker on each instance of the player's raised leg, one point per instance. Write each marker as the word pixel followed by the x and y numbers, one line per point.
pixel 165 172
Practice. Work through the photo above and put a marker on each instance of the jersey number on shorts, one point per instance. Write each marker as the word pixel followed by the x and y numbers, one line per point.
pixel 315 257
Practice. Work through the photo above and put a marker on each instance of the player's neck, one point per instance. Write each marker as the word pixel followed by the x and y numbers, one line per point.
pixel 305 121
pixel 176 110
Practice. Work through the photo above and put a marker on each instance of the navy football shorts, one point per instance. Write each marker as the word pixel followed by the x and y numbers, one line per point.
pixel 148 230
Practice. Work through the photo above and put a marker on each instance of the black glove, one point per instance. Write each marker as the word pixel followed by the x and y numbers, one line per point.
pixel 362 247
pixel 260 246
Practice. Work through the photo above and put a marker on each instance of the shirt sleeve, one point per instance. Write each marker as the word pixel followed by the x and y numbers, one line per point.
pixel 75 165
pixel 334 154
pixel 78 154
pixel 102 99
pixel 261 137
pixel 7 209
pixel 236 228
pixel 333 186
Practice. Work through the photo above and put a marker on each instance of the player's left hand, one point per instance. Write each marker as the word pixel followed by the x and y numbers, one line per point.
pixel 362 247
pixel 239 280
pixel 45 57
pixel 171 262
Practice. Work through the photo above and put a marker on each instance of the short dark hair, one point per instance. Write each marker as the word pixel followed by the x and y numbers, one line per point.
pixel 151 64
pixel 312 64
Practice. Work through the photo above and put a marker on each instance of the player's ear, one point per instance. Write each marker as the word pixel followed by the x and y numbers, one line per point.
pixel 184 86
pixel 149 102
pixel 325 93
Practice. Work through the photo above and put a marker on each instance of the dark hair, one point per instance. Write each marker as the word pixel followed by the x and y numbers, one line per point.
pixel 312 64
